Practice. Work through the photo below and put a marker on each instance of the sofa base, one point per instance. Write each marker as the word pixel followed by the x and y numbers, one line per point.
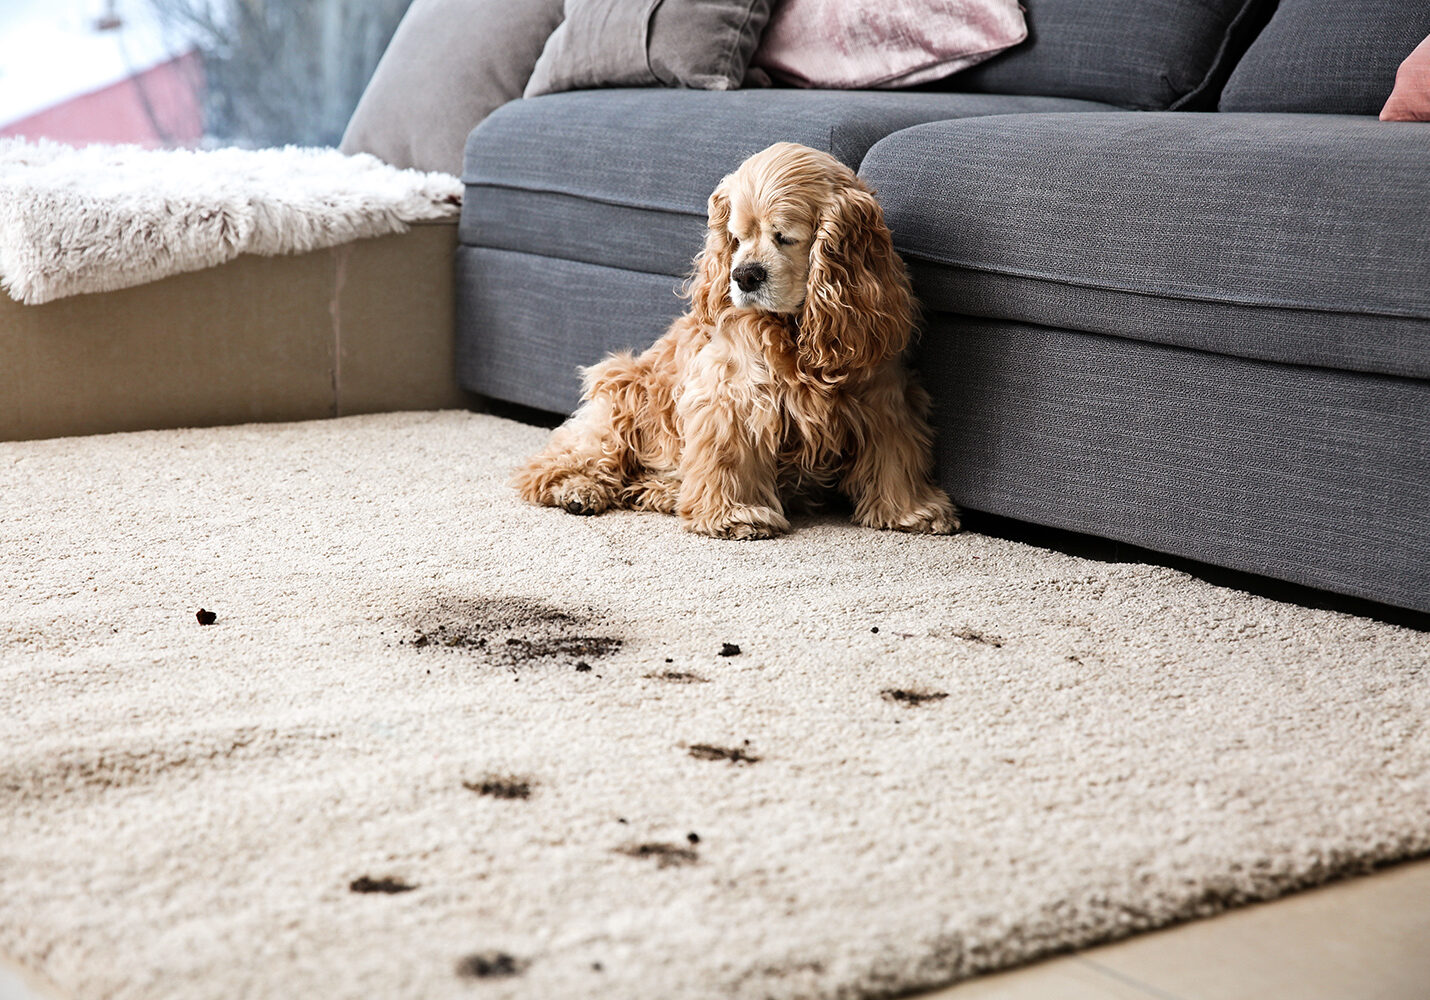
pixel 529 322
pixel 1309 475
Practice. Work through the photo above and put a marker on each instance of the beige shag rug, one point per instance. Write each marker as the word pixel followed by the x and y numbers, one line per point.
pixel 441 744
pixel 105 217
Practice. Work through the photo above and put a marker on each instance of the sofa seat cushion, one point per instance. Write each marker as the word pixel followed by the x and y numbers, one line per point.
pixel 1282 237
pixel 621 178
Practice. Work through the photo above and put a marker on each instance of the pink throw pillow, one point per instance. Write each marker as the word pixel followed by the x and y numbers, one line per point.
pixel 895 43
pixel 1410 100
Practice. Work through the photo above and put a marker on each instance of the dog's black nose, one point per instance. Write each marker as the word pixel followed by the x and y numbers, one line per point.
pixel 749 276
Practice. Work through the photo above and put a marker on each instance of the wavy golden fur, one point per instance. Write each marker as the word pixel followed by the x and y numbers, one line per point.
pixel 781 382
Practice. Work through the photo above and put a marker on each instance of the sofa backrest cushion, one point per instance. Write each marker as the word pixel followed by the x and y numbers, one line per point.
pixel 1333 56
pixel 449 65
pixel 702 44
pixel 1145 54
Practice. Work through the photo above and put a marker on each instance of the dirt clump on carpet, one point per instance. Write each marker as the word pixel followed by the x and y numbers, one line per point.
pixel 389 886
pixel 665 855
pixel 490 965
pixel 501 787
pixel 735 755
pixel 906 697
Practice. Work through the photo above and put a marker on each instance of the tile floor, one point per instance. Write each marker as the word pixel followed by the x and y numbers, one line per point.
pixel 1361 939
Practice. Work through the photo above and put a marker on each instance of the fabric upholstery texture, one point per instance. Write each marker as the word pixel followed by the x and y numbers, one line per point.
pixel 1171 227
pixel 667 149
pixel 449 65
pixel 599 177
pixel 1334 56
pixel 1133 53
pixel 899 43
pixel 1410 100
pixel 596 232
pixel 527 322
pixel 1190 453
pixel 706 44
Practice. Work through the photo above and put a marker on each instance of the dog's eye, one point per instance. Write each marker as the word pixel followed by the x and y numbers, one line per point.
pixel 783 240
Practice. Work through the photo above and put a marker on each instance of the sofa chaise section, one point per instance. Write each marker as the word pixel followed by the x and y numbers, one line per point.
pixel 1205 334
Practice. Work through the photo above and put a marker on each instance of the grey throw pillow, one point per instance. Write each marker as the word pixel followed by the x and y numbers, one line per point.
pixel 704 44
pixel 449 65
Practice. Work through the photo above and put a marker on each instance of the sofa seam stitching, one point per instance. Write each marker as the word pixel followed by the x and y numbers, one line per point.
pixel 1183 297
pixel 600 200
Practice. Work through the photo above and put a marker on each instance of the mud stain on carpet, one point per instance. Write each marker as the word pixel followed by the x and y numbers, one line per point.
pixel 501 787
pixel 902 696
pixel 677 677
pixel 57 634
pixel 47 773
pixel 735 755
pixel 982 638
pixel 512 632
pixel 664 855
pixel 490 965
pixel 387 885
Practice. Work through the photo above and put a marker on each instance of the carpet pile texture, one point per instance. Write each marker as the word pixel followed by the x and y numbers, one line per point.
pixel 437 743
pixel 101 218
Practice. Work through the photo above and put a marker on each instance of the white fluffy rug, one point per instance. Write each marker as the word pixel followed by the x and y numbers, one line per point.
pixel 436 736
pixel 106 217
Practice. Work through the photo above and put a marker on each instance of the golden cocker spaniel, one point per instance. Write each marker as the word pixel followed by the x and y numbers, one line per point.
pixel 782 382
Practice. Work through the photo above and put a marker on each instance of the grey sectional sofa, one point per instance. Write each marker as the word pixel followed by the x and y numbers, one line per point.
pixel 1176 274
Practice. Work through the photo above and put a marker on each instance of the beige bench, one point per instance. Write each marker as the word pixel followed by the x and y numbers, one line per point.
pixel 359 328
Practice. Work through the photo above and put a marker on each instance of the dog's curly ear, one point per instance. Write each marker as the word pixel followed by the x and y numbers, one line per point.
pixel 859 306
pixel 709 287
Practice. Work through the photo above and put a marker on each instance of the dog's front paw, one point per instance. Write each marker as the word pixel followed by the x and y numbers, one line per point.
pixel 578 494
pixel 931 514
pixel 660 493
pixel 741 523
pixel 573 492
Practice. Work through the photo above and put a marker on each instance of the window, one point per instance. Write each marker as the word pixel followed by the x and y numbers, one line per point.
pixel 188 72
